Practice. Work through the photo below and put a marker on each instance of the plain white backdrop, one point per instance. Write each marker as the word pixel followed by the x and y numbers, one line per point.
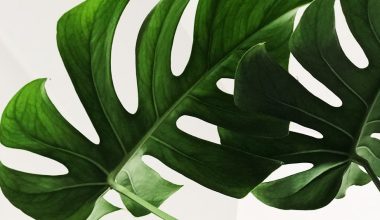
pixel 28 51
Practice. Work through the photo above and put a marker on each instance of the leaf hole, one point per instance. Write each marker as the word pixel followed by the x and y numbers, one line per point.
pixel 226 85
pixel 362 169
pixel 198 128
pixel 375 136
pixel 288 170
pixel 113 197
pixel 297 128
pixel 165 172
pixel 21 160
pixel 298 16
pixel 350 46
pixel 183 39
pixel 62 94
pixel 311 84
pixel 123 52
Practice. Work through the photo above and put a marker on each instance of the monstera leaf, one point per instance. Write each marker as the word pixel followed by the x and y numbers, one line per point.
pixel 224 31
pixel 264 86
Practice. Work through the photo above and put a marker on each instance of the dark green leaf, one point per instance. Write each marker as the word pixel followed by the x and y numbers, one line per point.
pixel 224 30
pixel 264 86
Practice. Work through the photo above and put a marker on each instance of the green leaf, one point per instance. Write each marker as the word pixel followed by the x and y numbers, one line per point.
pixel 264 86
pixel 102 208
pixel 224 31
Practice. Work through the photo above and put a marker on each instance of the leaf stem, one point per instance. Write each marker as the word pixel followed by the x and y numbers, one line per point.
pixel 126 192
pixel 364 163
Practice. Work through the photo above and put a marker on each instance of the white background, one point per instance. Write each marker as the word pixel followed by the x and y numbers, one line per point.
pixel 28 51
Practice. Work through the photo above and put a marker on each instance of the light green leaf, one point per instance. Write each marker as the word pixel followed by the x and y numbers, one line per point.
pixel 102 208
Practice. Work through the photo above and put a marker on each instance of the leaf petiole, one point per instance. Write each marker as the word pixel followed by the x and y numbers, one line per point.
pixel 364 163
pixel 126 192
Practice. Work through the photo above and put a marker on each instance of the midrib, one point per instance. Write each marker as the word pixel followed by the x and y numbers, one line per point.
pixel 164 116
pixel 182 98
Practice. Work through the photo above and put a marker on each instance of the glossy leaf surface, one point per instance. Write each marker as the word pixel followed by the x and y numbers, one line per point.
pixel 264 86
pixel 224 30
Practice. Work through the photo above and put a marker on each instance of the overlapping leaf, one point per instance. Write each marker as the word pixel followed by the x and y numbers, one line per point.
pixel 263 86
pixel 224 30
